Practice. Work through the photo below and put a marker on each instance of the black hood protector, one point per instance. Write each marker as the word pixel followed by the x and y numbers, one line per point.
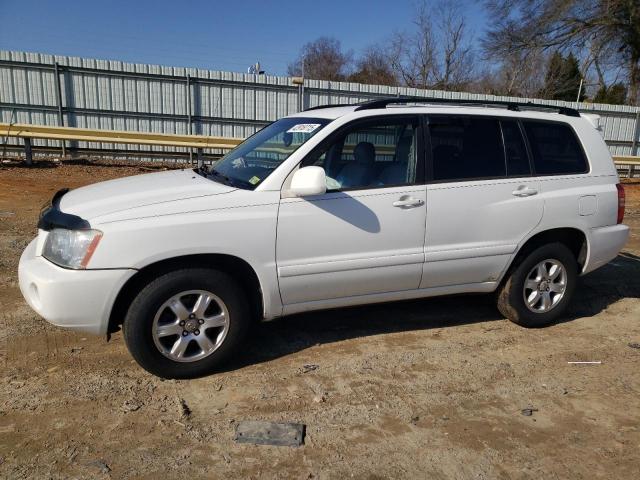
pixel 52 217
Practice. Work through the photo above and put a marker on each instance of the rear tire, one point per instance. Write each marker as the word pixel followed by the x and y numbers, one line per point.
pixel 186 323
pixel 539 289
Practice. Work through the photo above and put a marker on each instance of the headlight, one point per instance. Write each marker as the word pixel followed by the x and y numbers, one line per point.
pixel 71 248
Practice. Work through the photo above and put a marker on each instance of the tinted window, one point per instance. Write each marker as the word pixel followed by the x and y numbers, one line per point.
pixel 372 154
pixel 555 148
pixel 515 149
pixel 466 147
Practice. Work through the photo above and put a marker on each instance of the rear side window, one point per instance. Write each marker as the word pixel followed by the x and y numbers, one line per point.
pixel 555 148
pixel 515 149
pixel 466 147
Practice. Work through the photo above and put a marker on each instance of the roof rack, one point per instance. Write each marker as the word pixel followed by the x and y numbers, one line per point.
pixel 318 107
pixel 513 106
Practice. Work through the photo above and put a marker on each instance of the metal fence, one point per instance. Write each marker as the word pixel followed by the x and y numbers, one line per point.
pixel 113 95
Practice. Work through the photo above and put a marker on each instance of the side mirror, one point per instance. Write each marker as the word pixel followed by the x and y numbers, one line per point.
pixel 308 181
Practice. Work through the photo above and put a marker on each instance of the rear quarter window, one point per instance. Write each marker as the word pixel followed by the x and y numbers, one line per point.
pixel 555 148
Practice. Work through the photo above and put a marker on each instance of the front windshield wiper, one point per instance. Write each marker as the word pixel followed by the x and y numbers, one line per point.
pixel 232 182
pixel 219 177
pixel 201 171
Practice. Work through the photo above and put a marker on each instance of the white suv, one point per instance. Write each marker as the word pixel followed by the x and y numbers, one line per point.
pixel 331 207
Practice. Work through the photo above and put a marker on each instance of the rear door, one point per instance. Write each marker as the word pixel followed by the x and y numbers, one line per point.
pixel 481 198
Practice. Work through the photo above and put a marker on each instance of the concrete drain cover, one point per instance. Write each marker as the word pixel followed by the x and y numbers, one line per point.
pixel 269 433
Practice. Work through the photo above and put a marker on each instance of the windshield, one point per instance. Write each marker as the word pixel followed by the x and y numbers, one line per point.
pixel 254 159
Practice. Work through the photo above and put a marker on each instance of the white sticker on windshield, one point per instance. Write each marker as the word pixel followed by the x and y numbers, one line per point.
pixel 303 128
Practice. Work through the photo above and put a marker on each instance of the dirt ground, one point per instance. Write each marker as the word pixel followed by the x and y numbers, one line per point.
pixel 423 389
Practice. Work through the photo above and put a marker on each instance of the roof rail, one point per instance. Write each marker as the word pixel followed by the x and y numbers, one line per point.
pixel 513 106
pixel 319 107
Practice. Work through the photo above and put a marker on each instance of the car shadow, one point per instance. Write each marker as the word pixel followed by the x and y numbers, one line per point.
pixel 349 209
pixel 619 279
pixel 269 341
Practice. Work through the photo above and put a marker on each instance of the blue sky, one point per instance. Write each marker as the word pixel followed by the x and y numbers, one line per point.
pixel 220 35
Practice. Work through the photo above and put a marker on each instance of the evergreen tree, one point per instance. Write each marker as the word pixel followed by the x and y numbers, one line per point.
pixel 613 26
pixel 562 80
pixel 615 94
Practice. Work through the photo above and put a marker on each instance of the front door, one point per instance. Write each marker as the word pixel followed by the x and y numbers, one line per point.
pixel 365 235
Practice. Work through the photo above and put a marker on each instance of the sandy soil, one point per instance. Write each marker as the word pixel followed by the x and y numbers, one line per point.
pixel 422 389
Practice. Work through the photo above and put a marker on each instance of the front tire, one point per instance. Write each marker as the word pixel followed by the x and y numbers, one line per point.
pixel 539 289
pixel 186 323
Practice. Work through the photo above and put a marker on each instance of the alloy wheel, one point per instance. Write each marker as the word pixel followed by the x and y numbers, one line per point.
pixel 545 286
pixel 190 325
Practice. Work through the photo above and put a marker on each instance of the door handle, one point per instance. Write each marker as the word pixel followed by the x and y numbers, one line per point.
pixel 524 191
pixel 408 202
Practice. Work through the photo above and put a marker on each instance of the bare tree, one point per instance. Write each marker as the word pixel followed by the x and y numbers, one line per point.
pixel 374 66
pixel 519 74
pixel 413 55
pixel 456 68
pixel 524 73
pixel 323 60
pixel 601 68
pixel 611 26
pixel 438 52
pixel 596 60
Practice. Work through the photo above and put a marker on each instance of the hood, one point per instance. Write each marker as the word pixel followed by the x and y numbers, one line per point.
pixel 140 190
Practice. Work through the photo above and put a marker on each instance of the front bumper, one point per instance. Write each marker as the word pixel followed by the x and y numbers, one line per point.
pixel 74 299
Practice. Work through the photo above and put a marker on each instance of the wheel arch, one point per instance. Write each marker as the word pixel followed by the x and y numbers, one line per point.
pixel 234 266
pixel 574 238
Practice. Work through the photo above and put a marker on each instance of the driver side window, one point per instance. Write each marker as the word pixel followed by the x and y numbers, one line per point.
pixel 375 154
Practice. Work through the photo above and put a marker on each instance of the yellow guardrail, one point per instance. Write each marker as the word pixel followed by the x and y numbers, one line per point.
pixel 167 139
pixel 626 160
pixel 116 136
pixel 627 163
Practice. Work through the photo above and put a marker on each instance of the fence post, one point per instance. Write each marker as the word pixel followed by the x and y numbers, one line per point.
pixel 28 154
pixel 188 97
pixel 636 134
pixel 59 102
pixel 199 157
pixel 299 81
pixel 303 95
